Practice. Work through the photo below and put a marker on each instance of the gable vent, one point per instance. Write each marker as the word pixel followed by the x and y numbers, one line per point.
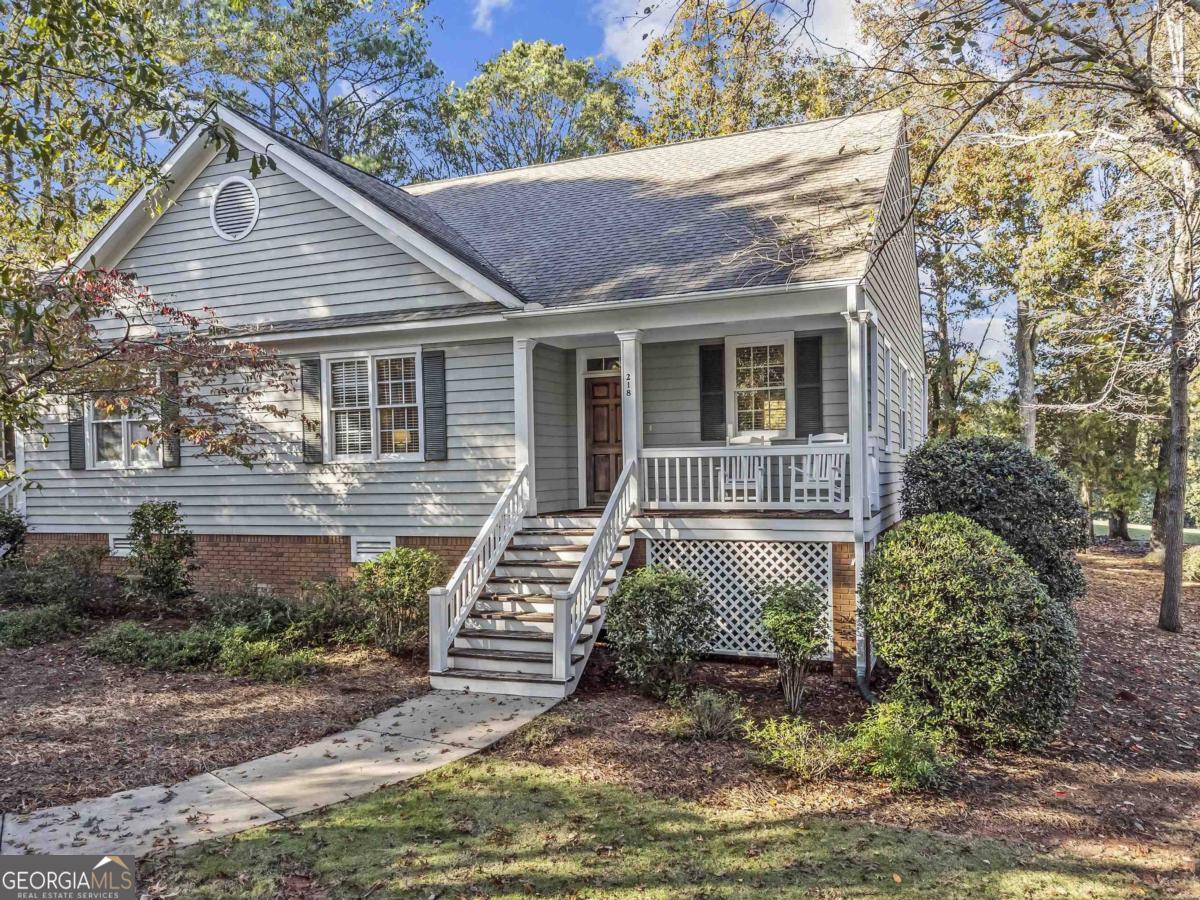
pixel 234 208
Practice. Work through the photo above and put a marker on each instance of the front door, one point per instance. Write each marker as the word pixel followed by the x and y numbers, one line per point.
pixel 603 426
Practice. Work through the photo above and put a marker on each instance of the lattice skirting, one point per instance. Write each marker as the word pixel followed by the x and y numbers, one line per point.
pixel 736 572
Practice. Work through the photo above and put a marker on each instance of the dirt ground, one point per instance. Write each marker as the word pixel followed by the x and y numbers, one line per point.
pixel 73 727
pixel 1120 787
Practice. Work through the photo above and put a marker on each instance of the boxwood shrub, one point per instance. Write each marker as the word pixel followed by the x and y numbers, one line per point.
pixel 970 630
pixel 659 621
pixel 1009 491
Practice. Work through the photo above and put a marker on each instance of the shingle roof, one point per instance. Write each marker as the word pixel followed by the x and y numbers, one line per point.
pixel 680 218
pixel 779 205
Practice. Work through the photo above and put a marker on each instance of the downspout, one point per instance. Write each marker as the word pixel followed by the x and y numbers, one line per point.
pixel 857 317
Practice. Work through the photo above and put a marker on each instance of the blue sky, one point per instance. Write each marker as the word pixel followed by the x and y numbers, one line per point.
pixel 475 30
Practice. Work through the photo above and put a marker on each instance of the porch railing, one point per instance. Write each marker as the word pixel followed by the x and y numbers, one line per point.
pixel 747 477
pixel 449 606
pixel 10 496
pixel 571 607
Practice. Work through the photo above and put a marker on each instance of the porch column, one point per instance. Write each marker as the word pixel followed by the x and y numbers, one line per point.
pixel 523 409
pixel 631 394
pixel 857 317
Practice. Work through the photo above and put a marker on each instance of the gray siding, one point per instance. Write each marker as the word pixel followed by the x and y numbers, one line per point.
pixel 281 495
pixel 671 400
pixel 555 445
pixel 305 258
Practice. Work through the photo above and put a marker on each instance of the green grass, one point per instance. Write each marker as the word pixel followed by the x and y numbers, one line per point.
pixel 1142 532
pixel 494 828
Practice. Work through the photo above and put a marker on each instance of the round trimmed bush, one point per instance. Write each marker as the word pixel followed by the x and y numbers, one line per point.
pixel 659 621
pixel 1009 491
pixel 970 630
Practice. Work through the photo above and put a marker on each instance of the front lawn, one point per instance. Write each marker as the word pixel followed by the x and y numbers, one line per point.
pixel 503 828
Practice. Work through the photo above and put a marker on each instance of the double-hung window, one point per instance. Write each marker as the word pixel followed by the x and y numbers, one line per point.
pixel 760 371
pixel 374 403
pixel 120 439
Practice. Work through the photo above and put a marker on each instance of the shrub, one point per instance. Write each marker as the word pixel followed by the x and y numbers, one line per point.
pixel 194 649
pixel 70 575
pixel 37 625
pixel 793 615
pixel 329 614
pixel 1009 491
pixel 160 547
pixel 659 621
pixel 901 741
pixel 709 714
pixel 244 604
pixel 794 745
pixel 263 660
pixel 232 650
pixel 970 630
pixel 393 591
pixel 12 535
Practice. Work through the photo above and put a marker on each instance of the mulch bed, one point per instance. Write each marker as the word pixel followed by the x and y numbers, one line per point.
pixel 1121 783
pixel 74 727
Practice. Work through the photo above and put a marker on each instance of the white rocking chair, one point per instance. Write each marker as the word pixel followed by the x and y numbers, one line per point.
pixel 742 476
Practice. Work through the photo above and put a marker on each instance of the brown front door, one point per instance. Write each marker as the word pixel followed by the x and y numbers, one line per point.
pixel 603 424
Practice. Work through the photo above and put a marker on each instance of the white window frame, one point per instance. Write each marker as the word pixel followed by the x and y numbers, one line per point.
pixel 327 405
pixel 873 377
pixel 89 442
pixel 905 407
pixel 887 395
pixel 732 344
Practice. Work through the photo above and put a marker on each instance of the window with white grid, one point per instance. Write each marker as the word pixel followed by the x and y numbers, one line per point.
pixel 760 382
pixel 375 406
pixel 120 438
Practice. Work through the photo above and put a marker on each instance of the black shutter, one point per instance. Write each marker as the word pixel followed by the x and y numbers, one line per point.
pixel 809 414
pixel 433 387
pixel 171 454
pixel 10 444
pixel 76 447
pixel 712 392
pixel 310 410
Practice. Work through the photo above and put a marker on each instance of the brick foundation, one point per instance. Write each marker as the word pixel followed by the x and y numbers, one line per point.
pixel 281 562
pixel 844 613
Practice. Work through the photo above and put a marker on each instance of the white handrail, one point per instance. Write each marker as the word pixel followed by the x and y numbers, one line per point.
pixel 571 607
pixel 785 477
pixel 449 606
pixel 10 498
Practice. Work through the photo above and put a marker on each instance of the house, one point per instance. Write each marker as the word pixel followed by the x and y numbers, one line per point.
pixel 707 355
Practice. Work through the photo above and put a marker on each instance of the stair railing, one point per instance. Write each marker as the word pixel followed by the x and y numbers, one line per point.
pixel 10 501
pixel 449 606
pixel 571 607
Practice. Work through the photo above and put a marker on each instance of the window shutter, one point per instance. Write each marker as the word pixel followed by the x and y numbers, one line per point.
pixel 310 409
pixel 171 454
pixel 433 387
pixel 10 444
pixel 712 392
pixel 809 412
pixel 76 447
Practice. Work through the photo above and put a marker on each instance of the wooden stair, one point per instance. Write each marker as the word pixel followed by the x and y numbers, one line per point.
pixel 504 645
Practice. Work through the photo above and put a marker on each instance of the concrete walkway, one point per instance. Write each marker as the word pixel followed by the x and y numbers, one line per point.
pixel 408 740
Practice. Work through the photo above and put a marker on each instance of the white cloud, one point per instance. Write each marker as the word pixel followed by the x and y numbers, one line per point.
pixel 484 12
pixel 988 335
pixel 627 27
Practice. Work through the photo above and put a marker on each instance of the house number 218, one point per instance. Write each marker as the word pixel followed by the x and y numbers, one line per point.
pixel 628 384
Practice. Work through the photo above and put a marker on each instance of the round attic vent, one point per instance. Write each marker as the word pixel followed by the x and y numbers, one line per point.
pixel 234 208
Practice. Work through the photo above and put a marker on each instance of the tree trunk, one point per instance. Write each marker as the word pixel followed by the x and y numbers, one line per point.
pixel 1182 299
pixel 1173 507
pixel 1118 524
pixel 1026 390
pixel 1158 523
pixel 946 416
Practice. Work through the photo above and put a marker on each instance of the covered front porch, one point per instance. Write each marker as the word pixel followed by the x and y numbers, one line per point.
pixel 745 419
